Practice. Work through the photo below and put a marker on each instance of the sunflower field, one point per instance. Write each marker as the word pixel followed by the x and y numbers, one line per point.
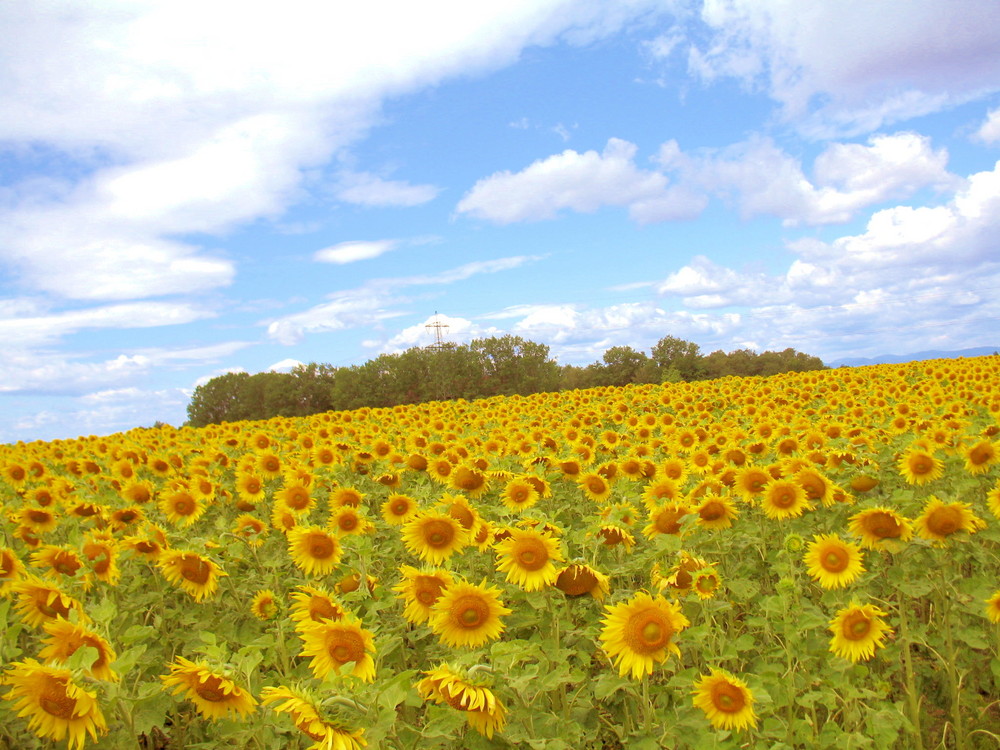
pixel 806 560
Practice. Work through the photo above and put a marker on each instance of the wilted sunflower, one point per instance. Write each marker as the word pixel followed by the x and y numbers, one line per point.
pixel 527 557
pixel 64 638
pixel 920 466
pixel 213 694
pixel 784 498
pixel 314 550
pixel 398 509
pixel 420 589
pixel 880 527
pixel 55 706
pixel 333 643
pixel 832 562
pixel 314 604
pixel 484 712
pixel 939 520
pixel 613 535
pixel 857 631
pixel 638 633
pixel 264 606
pixel 467 615
pixel 726 700
pixel 434 537
pixel 197 575
pixel 39 602
pixel 519 494
pixel 579 579
pixel 308 719
pixel 993 608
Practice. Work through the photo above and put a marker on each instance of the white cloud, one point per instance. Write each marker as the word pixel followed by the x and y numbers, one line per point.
pixel 349 252
pixel 989 131
pixel 857 65
pixel 570 180
pixel 456 331
pixel 285 365
pixel 367 189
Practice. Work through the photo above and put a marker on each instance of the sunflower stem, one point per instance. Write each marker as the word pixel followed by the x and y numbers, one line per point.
pixel 647 708
pixel 912 701
pixel 954 683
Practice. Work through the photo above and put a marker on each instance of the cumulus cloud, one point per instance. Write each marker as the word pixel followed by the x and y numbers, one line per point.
pixel 349 252
pixel 581 182
pixel 852 66
pixel 989 131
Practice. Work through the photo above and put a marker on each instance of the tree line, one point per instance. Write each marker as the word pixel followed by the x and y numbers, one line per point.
pixel 496 366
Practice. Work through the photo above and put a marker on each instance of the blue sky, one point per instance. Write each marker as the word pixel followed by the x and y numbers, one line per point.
pixel 190 188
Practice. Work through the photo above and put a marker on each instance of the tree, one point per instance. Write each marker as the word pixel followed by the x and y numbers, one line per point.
pixel 218 400
pixel 683 356
pixel 623 365
pixel 512 365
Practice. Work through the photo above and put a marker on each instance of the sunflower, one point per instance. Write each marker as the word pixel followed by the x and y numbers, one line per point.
pixel 939 520
pixel 296 498
pixel 64 638
pixel 666 519
pixel 39 602
pixel 857 631
pixel 726 700
pixel 993 607
pixel 420 589
pixel 268 464
pixel 305 712
pixel 981 456
pixel 101 551
pixel 264 606
pixel 784 498
pixel 467 615
pixel 251 530
pixel 661 491
pixel 125 518
pixel 213 694
pixel 39 520
pixel 519 494
pixel 639 633
pixel 594 486
pixel 993 499
pixel 470 480
pixel 715 512
pixel 197 575
pixel 250 487
pixel 314 604
pixel 705 582
pixel 681 576
pixel 816 486
pixel 880 527
pixel 484 712
pixel 458 507
pixel 347 520
pixel 345 497
pixel 314 550
pixel 181 508
pixel 11 569
pixel 333 643
pixel 151 544
pixel 61 561
pixel 137 491
pixel 434 536
pixel 579 579
pixel 398 509
pixel 613 535
pixel 55 706
pixel 832 562
pixel 920 466
pixel 527 558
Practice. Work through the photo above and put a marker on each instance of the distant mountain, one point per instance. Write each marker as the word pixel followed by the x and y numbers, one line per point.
pixel 895 359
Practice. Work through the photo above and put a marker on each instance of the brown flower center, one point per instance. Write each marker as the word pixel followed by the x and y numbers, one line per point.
pixel 54 701
pixel 469 611
pixel 648 631
pixel 727 698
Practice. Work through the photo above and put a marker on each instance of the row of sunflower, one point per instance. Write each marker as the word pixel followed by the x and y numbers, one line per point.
pixel 807 559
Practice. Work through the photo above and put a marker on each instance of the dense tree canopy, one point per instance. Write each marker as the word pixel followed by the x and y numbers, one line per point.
pixel 505 365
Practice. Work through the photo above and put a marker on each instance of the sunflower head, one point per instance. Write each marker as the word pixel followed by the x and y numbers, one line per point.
pixel 832 562
pixel 857 631
pixel 213 694
pixel 726 700
pixel 420 590
pixel 527 557
pixel 468 615
pixel 434 536
pixel 940 520
pixel 880 528
pixel 639 633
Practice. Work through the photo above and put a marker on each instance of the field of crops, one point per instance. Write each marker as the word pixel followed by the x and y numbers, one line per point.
pixel 807 560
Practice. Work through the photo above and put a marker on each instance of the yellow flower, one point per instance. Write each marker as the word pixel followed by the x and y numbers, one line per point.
pixel 527 557
pixel 39 602
pixel 594 486
pixel 468 479
pixel 11 569
pixel 579 579
pixel 784 498
pixel 857 631
pixel 55 706
pixel 715 512
pixel 263 606
pixel 420 590
pixel 880 527
pixel 940 520
pixel 314 604
pixel 314 551
pixel 484 712
pixel 307 717
pixel 296 498
pixel 832 562
pixel 346 521
pixel 398 509
pixel 666 519
pixel 434 536
pixel 726 700
pixel 919 466
pixel 181 508
pixel 993 607
pixel 979 458
pixel 213 694
pixel 64 638
pixel 639 633
pixel 251 530
pixel 197 575
pixel 467 615
pixel 519 494
pixel 705 582
pixel 334 643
